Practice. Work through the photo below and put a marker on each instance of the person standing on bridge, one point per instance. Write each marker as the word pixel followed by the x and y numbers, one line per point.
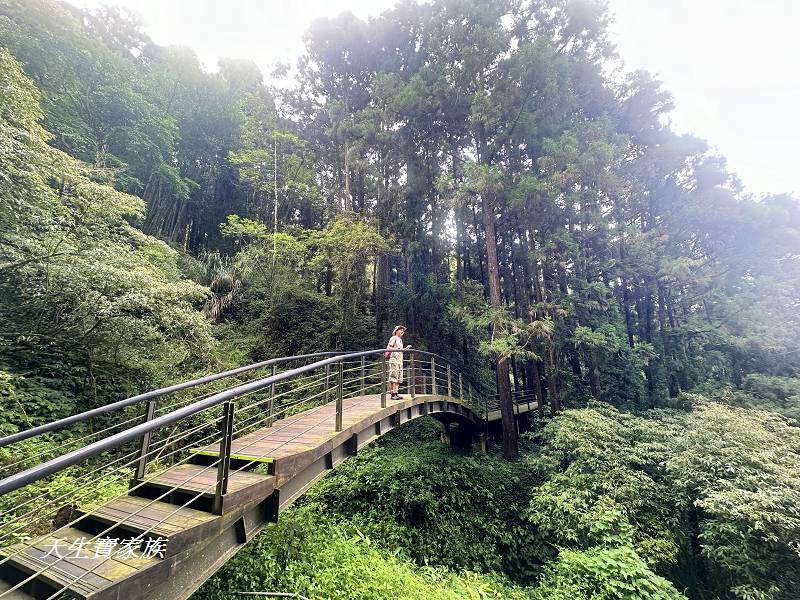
pixel 396 361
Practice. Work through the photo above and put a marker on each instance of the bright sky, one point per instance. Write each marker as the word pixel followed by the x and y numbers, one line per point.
pixel 730 64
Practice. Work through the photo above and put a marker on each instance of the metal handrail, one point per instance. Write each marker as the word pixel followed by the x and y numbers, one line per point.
pixel 124 403
pixel 513 393
pixel 28 476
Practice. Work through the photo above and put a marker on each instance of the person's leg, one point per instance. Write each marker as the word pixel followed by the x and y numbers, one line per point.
pixel 399 368
pixel 393 383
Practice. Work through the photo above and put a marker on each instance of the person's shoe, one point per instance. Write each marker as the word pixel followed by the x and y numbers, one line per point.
pixel 394 397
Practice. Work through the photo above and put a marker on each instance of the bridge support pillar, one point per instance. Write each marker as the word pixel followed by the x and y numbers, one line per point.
pixel 479 442
pixel 272 507
pixel 445 435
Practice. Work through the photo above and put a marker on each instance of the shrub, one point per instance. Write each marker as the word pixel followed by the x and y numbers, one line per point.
pixel 600 573
pixel 309 554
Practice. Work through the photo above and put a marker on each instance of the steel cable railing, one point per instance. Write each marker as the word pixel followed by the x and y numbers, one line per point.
pixel 117 524
pixel 166 438
pixel 114 406
pixel 65 493
pixel 124 520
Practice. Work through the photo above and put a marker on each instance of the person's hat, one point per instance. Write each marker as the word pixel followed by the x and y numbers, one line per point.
pixel 394 331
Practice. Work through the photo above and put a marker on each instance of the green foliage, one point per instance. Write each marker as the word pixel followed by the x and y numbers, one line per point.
pixel 308 554
pixel 347 246
pixel 777 391
pixel 84 296
pixel 601 573
pixel 27 402
pixel 632 268
pixel 240 227
pixel 758 391
pixel 603 481
pixel 480 496
pixel 741 468
pixel 779 394
pixel 507 336
pixel 274 165
pixel 22 513
pixel 304 290
pixel 297 322
pixel 665 484
pixel 93 99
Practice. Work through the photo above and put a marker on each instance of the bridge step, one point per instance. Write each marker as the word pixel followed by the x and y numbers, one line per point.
pixel 80 571
pixel 207 456
pixel 179 527
pixel 196 485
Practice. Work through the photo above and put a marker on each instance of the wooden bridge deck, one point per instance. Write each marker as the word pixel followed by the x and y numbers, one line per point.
pixel 304 431
pixel 176 503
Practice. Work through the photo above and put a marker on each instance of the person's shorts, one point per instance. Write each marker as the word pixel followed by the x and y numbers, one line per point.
pixel 395 371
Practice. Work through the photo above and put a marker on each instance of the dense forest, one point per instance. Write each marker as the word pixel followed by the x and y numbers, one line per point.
pixel 489 174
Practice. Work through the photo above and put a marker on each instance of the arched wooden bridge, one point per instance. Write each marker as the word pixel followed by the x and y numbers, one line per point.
pixel 147 497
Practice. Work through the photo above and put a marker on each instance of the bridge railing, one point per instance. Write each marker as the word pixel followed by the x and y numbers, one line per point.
pixel 520 399
pixel 83 428
pixel 127 455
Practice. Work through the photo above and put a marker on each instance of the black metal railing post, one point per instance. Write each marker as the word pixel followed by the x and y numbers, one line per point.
pixel 271 401
pixel 411 380
pixel 434 388
pixel 224 465
pixel 326 395
pixel 143 458
pixel 449 382
pixel 363 376
pixel 339 393
pixel 383 380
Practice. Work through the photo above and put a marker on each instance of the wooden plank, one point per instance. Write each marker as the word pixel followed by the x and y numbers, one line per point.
pixel 215 453
pixel 197 478
pixel 92 573
pixel 142 514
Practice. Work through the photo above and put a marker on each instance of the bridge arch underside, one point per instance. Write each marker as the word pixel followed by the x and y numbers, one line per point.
pixel 460 427
pixel 200 542
pixel 460 431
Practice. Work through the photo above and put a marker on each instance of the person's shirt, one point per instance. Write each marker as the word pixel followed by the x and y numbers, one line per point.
pixel 395 342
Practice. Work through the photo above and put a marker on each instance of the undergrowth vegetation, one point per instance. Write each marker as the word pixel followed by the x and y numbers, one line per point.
pixel 603 504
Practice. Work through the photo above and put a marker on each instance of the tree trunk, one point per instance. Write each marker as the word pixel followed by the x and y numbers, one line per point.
pixel 594 374
pixel 503 383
